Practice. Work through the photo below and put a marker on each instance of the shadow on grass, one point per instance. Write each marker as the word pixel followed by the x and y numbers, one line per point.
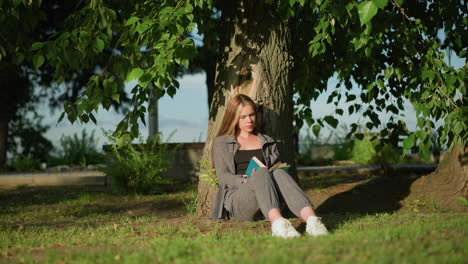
pixel 84 202
pixel 48 195
pixel 379 195
pixel 325 181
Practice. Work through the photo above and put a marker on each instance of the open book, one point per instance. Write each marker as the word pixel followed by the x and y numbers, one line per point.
pixel 255 163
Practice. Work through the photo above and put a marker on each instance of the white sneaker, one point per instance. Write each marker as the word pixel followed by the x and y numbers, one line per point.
pixel 283 228
pixel 315 226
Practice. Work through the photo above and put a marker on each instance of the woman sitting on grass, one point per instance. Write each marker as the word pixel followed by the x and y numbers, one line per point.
pixel 240 197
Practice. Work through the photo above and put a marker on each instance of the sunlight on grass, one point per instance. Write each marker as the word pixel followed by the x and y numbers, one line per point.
pixel 95 225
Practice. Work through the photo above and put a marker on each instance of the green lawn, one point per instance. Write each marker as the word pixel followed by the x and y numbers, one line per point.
pixel 95 225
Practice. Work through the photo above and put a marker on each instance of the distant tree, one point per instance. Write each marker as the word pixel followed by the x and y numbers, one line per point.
pixel 25 23
pixel 26 134
pixel 15 95
pixel 272 50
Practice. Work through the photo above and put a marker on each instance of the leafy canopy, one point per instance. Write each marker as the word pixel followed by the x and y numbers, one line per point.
pixel 391 51
pixel 388 49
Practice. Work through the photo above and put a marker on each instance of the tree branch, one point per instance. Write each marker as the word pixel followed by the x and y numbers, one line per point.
pixel 448 98
pixel 402 10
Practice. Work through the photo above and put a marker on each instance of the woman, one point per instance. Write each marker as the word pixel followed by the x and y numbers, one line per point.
pixel 240 197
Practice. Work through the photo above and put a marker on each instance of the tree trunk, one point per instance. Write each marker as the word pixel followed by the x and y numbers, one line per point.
pixel 3 140
pixel 15 92
pixel 254 59
pixel 447 183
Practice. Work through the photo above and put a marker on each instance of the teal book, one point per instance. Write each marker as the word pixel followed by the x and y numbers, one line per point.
pixel 255 164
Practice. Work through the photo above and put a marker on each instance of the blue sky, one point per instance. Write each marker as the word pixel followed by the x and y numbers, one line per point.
pixel 186 114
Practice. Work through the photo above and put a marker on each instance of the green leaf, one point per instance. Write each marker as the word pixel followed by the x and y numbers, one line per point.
pixel 339 111
pixel 91 116
pixel 462 200
pixel 134 130
pixel 380 3
pixel 144 80
pixel 316 130
pixel 171 91
pixel 408 143
pixel 84 118
pixel 427 74
pixel 421 121
pixel 366 10
pixel 392 109
pixel 451 79
pixel 61 117
pixel 388 73
pixel 350 109
pixel 185 63
pixel 37 45
pixel 399 2
pixel 438 63
pixel 422 135
pixel 19 58
pixel 188 8
pixel 424 150
pixel 398 73
pixel 141 28
pixel 38 60
pixel 135 74
pixel 368 51
pixel 350 97
pixel 380 83
pixel 99 45
pixel 131 21
pixel 116 97
pixel 331 121
pixel 359 43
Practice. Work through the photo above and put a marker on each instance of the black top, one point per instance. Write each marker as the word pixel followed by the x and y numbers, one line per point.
pixel 242 159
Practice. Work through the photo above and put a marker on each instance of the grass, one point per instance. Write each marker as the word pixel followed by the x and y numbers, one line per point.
pixel 96 225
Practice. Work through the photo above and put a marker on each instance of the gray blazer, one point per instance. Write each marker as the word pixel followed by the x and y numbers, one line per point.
pixel 224 149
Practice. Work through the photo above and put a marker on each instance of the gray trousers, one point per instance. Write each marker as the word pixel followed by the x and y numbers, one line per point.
pixel 262 192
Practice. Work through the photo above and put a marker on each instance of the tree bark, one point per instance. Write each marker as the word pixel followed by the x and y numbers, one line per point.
pixel 254 59
pixel 15 92
pixel 447 183
pixel 3 140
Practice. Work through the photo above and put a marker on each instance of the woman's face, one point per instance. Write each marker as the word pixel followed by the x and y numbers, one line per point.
pixel 247 118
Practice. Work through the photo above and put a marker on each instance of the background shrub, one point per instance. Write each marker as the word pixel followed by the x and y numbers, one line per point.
pixel 387 154
pixel 363 151
pixel 26 163
pixel 77 150
pixel 366 151
pixel 139 168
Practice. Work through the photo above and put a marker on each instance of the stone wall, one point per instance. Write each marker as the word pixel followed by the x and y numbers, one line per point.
pixel 186 161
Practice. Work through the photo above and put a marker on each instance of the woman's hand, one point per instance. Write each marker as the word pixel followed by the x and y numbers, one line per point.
pixel 245 176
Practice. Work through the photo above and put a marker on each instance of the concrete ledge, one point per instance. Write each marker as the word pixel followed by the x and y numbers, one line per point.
pixel 52 178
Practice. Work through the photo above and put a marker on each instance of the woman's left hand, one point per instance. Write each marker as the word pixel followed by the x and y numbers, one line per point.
pixel 245 177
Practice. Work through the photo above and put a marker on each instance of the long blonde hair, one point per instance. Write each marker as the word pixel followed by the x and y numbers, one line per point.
pixel 232 113
pixel 231 117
